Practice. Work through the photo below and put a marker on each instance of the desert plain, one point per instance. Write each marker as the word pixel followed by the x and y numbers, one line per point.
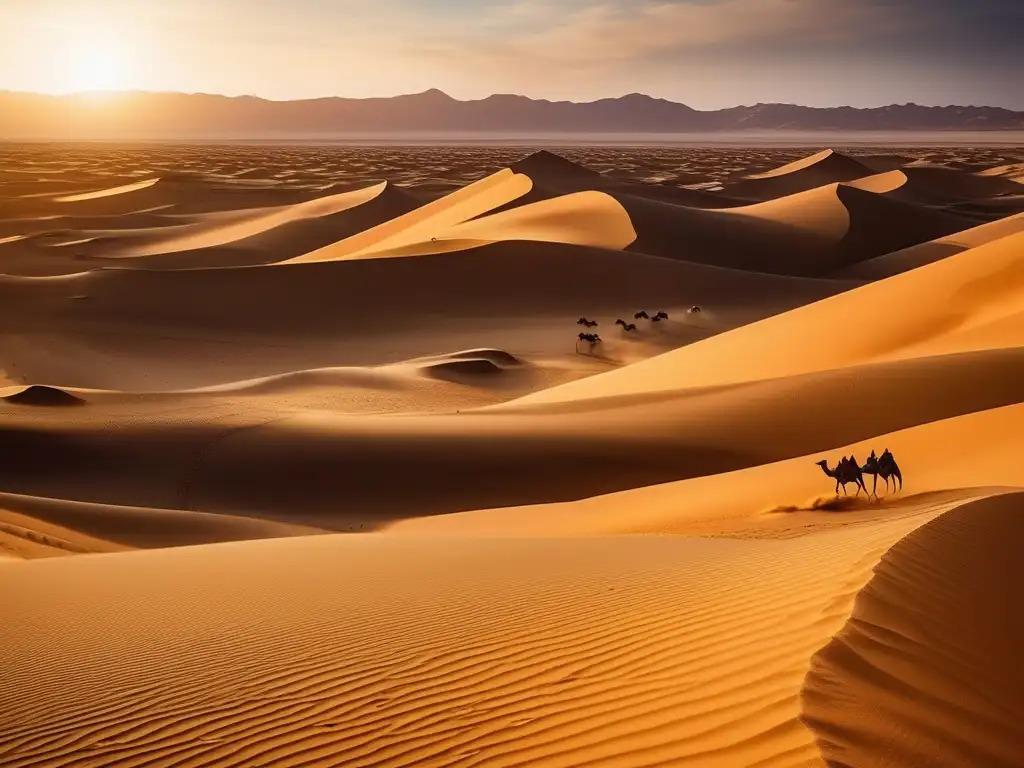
pixel 303 461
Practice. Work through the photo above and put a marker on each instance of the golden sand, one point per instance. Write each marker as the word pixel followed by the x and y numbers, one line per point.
pixel 315 471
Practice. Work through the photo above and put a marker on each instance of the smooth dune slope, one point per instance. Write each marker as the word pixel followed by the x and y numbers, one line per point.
pixel 177 193
pixel 43 527
pixel 425 222
pixel 965 302
pixel 927 669
pixel 553 175
pixel 951 460
pixel 101 193
pixel 71 244
pixel 442 655
pixel 217 230
pixel 825 167
pixel 812 232
pixel 87 330
pixel 197 452
pixel 582 218
pixel 916 256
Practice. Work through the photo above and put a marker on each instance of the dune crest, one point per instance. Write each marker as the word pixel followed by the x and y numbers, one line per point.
pixel 825 167
pixel 40 396
pixel 421 224
pixel 916 256
pixel 101 193
pixel 238 225
pixel 927 668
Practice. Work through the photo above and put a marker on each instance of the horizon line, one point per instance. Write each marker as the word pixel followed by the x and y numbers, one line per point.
pixel 439 92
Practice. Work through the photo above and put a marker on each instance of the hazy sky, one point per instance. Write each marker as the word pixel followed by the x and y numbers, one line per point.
pixel 706 53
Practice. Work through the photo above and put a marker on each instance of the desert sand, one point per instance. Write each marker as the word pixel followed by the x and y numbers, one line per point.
pixel 304 463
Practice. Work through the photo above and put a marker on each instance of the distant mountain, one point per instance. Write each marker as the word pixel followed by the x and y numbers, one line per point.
pixel 178 115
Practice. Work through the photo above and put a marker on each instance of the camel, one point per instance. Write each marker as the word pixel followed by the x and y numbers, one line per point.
pixel 656 319
pixel 887 467
pixel 871 468
pixel 591 338
pixel 846 471
pixel 641 315
pixel 627 327
pixel 694 310
pixel 884 467
pixel 587 323
pixel 660 316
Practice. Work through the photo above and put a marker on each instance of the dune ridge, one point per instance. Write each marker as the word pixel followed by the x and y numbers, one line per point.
pixel 933 648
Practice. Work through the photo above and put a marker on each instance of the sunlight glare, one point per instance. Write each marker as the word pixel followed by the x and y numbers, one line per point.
pixel 97 65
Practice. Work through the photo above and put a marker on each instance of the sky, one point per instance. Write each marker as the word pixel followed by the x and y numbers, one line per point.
pixel 706 53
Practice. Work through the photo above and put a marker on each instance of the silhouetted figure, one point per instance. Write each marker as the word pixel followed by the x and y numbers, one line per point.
pixel 641 315
pixel 871 468
pixel 589 338
pixel 694 310
pixel 656 319
pixel 627 327
pixel 846 471
pixel 660 316
pixel 884 467
pixel 588 323
pixel 887 467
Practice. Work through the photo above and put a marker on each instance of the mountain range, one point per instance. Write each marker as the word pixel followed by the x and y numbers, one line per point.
pixel 140 114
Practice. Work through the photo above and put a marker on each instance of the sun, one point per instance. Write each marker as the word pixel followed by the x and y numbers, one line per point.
pixel 97 66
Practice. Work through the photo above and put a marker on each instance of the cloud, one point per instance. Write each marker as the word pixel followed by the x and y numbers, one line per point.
pixel 603 34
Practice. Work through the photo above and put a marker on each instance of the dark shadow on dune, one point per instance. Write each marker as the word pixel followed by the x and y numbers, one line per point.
pixel 458 370
pixel 39 396
pixel 498 357
pixel 892 501
pixel 901 261
pixel 326 470
pixel 927 669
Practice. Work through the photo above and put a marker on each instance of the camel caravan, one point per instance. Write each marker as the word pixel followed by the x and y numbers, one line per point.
pixel 592 339
pixel 849 471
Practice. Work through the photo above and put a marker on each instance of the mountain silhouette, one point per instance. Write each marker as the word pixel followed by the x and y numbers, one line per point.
pixel 166 115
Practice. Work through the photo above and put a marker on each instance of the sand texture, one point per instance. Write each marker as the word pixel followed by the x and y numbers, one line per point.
pixel 305 463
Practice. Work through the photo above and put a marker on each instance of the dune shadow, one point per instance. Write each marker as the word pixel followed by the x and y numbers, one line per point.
pixel 926 670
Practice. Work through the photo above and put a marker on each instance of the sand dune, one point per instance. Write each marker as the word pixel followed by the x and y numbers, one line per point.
pixel 617 555
pixel 582 218
pixel 825 167
pixel 41 396
pixel 777 499
pixel 808 233
pixel 180 194
pixel 422 224
pixel 34 527
pixel 953 183
pixel 1012 171
pixel 199 454
pixel 221 229
pixel 553 175
pixel 927 667
pixel 101 193
pixel 965 302
pixel 916 256
pixel 523 297
pixel 469 649
pixel 218 239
